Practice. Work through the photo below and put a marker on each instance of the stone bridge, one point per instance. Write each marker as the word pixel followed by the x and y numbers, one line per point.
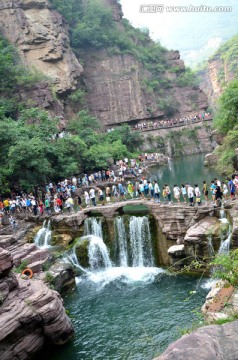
pixel 170 223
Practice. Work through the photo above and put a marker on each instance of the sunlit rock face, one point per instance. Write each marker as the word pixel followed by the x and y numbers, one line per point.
pixel 41 37
pixel 30 313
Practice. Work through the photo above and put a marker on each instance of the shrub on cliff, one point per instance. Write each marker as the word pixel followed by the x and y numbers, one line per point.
pixel 226 267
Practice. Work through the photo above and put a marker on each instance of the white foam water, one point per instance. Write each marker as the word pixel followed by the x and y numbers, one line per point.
pixel 126 275
pixel 43 236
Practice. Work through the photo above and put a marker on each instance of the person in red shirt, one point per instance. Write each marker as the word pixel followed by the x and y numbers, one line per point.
pixel 59 203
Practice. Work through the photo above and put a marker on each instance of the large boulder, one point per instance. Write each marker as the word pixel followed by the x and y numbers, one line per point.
pixel 203 238
pixel 210 159
pixel 30 314
pixel 207 343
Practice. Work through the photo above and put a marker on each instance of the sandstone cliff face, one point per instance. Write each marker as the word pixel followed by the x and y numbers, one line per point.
pixel 41 37
pixel 115 91
pixel 183 140
pixel 114 84
pixel 30 313
pixel 215 78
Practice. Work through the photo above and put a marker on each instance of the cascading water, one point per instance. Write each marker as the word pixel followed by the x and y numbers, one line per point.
pixel 170 164
pixel 43 237
pixel 98 253
pixel 140 242
pixel 121 241
pixel 223 218
pixel 210 248
pixel 225 244
pixel 93 226
pixel 135 258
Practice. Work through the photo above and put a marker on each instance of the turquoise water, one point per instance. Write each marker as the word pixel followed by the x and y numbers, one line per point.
pixel 126 313
pixel 184 170
pixel 130 321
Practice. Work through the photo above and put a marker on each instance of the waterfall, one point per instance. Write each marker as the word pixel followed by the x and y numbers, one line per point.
pixel 225 244
pixel 134 248
pixel 211 251
pixel 140 242
pixel 97 250
pixel 43 236
pixel 223 218
pixel 170 163
pixel 98 253
pixel 122 241
pixel 93 226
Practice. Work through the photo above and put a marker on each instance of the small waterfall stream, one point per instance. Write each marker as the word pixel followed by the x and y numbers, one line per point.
pixel 93 226
pixel 223 218
pixel 225 243
pixel 225 238
pixel 43 236
pixel 140 242
pixel 122 241
pixel 211 251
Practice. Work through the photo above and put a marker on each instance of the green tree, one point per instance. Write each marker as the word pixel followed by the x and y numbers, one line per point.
pixel 131 139
pixel 226 117
pixel 83 121
pixel 28 163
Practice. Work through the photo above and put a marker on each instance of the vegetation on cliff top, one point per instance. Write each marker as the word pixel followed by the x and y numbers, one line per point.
pixel 228 53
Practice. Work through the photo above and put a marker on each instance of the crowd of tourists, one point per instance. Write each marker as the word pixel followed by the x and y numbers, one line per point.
pixel 165 123
pixel 185 120
pixel 74 194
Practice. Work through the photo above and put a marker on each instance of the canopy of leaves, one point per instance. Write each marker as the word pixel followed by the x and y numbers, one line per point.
pixel 226 117
pixel 30 154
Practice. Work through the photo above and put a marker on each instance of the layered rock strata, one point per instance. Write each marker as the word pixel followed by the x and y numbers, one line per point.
pixel 30 313
pixel 40 34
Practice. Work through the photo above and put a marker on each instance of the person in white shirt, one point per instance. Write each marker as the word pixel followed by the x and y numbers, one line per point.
pixel 197 194
pixel 190 192
pixel 86 197
pixel 92 196
pixel 176 191
pixel 156 192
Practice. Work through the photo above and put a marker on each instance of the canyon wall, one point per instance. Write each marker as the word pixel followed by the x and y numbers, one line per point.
pixel 114 84
pixel 220 70
pixel 41 37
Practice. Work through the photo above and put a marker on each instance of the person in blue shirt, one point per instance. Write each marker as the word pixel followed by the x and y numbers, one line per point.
pixel 121 191
pixel 232 187
pixel 212 188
